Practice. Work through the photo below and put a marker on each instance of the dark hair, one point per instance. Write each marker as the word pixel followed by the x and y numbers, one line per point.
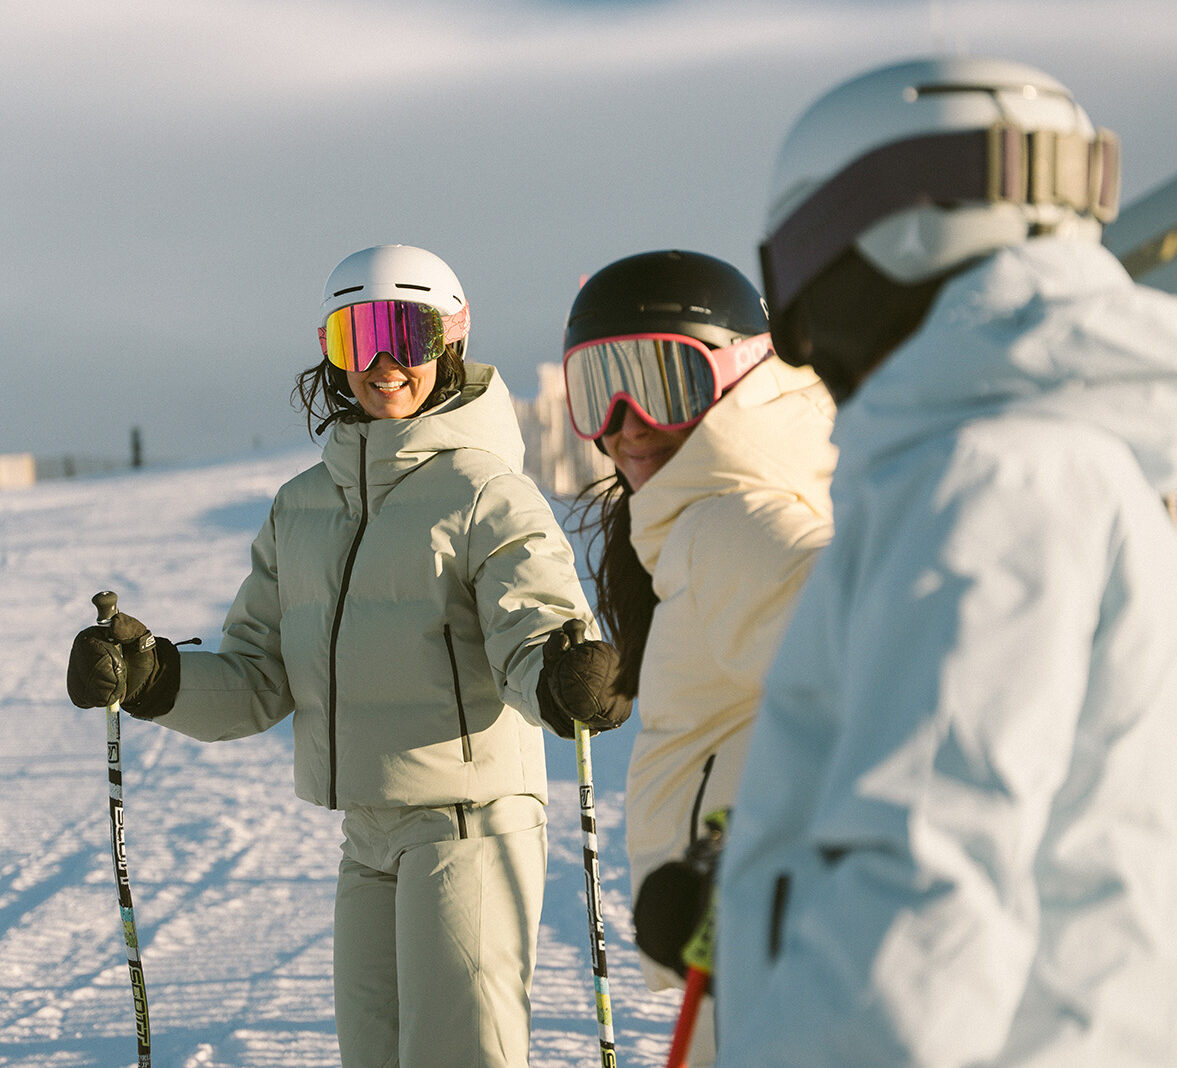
pixel 323 394
pixel 624 589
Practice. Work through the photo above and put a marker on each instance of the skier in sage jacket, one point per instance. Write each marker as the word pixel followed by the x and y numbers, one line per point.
pixel 407 602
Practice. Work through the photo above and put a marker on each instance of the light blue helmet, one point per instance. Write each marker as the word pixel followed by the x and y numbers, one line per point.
pixel 921 166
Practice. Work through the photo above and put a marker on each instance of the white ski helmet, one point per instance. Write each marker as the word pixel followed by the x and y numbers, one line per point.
pixel 923 165
pixel 399 272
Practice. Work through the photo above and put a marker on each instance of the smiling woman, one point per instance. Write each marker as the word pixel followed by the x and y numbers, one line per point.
pixel 393 333
pixel 412 601
pixel 710 524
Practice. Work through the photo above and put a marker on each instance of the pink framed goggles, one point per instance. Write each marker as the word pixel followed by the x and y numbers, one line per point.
pixel 412 334
pixel 670 380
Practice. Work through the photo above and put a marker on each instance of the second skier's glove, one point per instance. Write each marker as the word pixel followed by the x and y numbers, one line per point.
pixel 123 662
pixel 673 916
pixel 577 682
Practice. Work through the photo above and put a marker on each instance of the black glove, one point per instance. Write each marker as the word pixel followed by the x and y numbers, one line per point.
pixel 674 900
pixel 576 683
pixel 123 662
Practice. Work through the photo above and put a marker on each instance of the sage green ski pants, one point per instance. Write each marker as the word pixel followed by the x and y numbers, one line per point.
pixel 436 922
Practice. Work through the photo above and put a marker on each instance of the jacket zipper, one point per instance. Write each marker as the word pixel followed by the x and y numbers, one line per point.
pixel 345 582
pixel 707 766
pixel 776 918
pixel 467 755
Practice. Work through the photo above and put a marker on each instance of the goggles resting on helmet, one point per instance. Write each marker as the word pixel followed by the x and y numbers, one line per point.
pixel 412 334
pixel 670 380
pixel 1000 164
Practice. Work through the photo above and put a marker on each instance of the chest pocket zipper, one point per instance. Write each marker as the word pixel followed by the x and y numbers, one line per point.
pixel 344 583
pixel 776 919
pixel 467 755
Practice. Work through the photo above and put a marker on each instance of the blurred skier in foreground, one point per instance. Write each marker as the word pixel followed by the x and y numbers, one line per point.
pixel 955 840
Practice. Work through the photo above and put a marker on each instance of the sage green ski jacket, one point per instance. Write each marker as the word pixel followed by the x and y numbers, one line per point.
pixel 399 597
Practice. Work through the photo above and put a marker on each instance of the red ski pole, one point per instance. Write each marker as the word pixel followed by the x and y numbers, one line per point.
pixel 699 956
pixel 685 1027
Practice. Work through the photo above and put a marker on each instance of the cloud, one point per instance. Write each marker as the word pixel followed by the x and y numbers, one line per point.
pixel 181 176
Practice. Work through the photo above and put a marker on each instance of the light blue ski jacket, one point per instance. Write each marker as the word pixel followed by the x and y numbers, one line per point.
pixel 955 841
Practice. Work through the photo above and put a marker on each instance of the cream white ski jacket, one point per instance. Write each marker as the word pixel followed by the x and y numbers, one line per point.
pixel 400 594
pixel 955 840
pixel 728 529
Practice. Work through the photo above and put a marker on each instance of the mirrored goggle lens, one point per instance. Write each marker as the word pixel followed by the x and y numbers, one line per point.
pixel 672 381
pixel 354 336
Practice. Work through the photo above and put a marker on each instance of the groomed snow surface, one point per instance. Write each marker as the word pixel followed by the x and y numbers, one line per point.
pixel 233 877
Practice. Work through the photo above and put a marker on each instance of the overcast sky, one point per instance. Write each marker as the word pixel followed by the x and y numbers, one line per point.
pixel 180 176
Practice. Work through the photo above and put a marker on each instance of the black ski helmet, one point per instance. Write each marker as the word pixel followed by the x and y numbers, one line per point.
pixel 668 292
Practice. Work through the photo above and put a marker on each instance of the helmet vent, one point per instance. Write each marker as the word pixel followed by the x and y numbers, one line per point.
pixel 661 306
pixel 1017 89
pixel 349 289
pixel 410 285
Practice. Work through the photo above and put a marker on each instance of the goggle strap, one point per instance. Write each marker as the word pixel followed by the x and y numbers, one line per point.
pixel 998 164
pixel 456 326
pixel 735 361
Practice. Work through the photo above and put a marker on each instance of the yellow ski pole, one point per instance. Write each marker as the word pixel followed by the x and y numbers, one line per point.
pixel 574 628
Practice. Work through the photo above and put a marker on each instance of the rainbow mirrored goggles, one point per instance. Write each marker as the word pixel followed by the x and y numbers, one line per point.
pixel 668 379
pixel 412 334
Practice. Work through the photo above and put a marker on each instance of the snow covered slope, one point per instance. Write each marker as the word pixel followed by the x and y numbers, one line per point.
pixel 233 877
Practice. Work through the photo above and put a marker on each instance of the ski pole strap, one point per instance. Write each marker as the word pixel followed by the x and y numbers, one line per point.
pixel 592 886
pixel 699 952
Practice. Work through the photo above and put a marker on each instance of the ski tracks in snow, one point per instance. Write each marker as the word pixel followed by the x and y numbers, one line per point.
pixel 233 877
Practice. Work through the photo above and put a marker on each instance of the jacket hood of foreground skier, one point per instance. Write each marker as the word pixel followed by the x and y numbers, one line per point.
pixel 769 433
pixel 481 417
pixel 1051 326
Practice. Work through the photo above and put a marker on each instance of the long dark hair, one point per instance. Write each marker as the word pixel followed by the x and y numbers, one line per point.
pixel 624 589
pixel 324 396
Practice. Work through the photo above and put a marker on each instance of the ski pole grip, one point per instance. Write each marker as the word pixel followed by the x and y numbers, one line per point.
pixel 107 604
pixel 574 628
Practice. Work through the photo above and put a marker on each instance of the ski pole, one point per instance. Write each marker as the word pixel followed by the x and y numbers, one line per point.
pixel 107 605
pixel 689 1012
pixel 698 954
pixel 574 628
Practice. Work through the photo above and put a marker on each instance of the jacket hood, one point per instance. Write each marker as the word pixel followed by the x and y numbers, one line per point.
pixel 1052 327
pixel 770 432
pixel 481 417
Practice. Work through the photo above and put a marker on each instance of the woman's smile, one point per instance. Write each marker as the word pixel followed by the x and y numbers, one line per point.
pixel 386 390
pixel 639 450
